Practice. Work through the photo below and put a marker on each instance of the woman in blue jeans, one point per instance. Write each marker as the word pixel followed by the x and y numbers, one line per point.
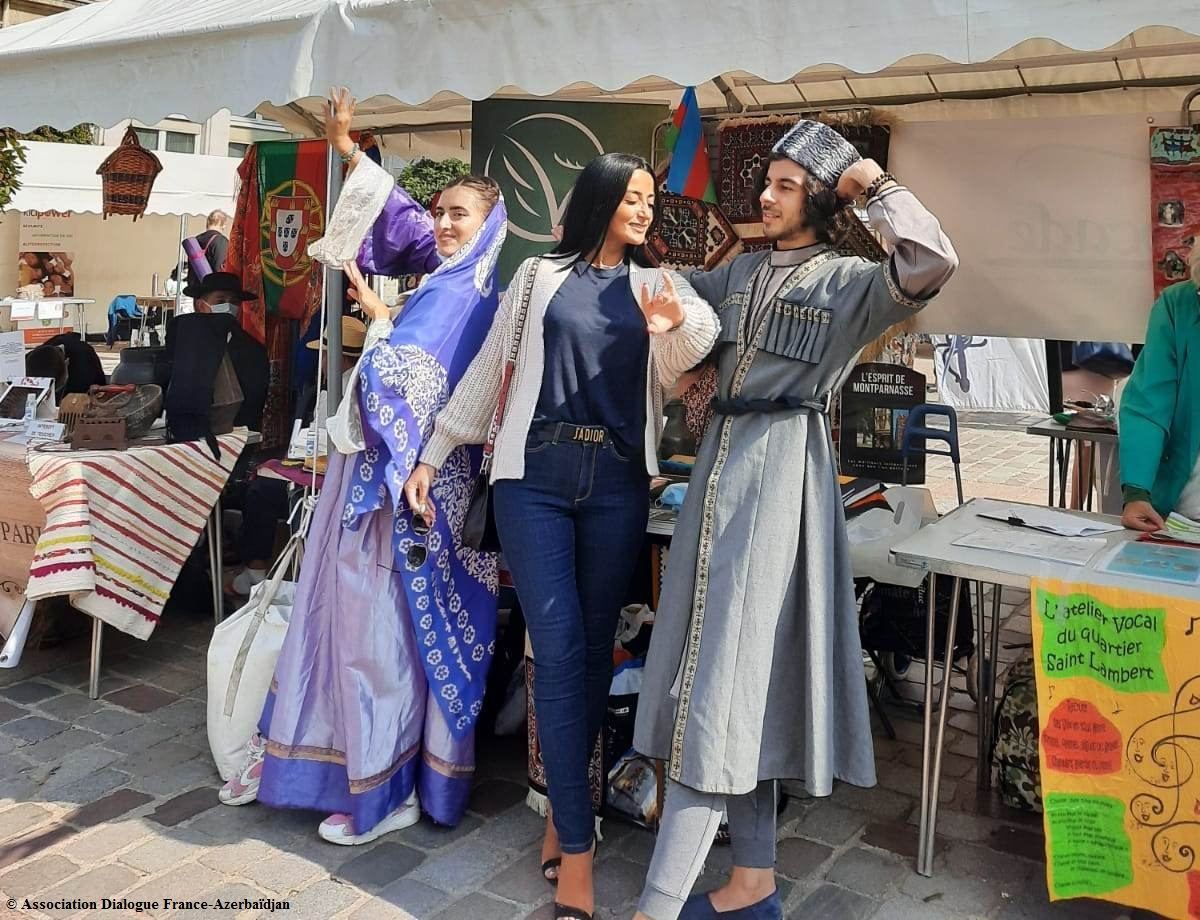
pixel 602 335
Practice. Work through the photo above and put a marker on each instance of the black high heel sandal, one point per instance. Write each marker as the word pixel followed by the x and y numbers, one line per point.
pixel 556 863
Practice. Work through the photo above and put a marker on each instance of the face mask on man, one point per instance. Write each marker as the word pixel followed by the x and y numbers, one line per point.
pixel 223 308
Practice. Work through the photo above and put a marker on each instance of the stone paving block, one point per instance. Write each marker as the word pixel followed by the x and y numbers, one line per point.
pixel 379 867
pixel 140 737
pixel 199 771
pixel 230 825
pixel 425 835
pixel 34 878
pixel 830 823
pixel 954 766
pixel 281 873
pixel 70 707
pixel 970 860
pixel 107 840
pixel 141 698
pixel 109 721
pixel 107 808
pixel 479 907
pixel 88 789
pixel 523 882
pixel 79 764
pixel 618 882
pixel 493 796
pixel 321 900
pixel 232 858
pixel 178 681
pixel 164 756
pixel 1018 841
pixel 379 909
pixel 58 746
pixel 22 818
pixel 104 882
pixel 879 804
pixel 963 897
pixel 187 805
pixel 902 908
pixel 8 712
pixel 462 868
pixel 36 841
pixel 798 858
pixel 958 825
pixel 7 745
pixel 161 853
pixel 519 828
pixel 29 691
pixel 829 902
pixel 866 872
pixel 32 729
pixel 414 899
pixel 184 715
pixel 189 882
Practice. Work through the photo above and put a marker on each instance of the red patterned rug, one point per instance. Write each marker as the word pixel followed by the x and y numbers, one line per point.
pixel 744 148
pixel 690 233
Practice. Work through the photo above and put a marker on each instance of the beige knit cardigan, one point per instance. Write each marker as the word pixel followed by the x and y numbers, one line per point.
pixel 467 417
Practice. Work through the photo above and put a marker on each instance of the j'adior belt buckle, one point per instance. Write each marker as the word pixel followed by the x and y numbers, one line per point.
pixel 589 435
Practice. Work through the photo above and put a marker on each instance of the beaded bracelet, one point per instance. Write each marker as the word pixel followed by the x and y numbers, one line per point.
pixel 353 152
pixel 875 187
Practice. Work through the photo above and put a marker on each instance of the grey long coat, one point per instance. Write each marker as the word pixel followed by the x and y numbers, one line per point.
pixel 755 669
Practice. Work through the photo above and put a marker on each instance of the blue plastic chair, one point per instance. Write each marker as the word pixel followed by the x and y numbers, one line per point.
pixel 917 434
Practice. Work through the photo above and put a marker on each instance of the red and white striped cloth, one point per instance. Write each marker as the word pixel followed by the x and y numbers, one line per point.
pixel 121 524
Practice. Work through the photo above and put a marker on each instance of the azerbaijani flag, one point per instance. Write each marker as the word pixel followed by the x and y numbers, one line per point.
pixel 690 174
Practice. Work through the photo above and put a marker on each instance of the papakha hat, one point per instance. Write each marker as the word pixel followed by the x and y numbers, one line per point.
pixel 819 149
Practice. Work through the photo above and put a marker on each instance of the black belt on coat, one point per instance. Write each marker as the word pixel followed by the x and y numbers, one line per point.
pixel 741 406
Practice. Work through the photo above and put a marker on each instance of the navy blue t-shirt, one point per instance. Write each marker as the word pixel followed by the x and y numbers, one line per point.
pixel 597 348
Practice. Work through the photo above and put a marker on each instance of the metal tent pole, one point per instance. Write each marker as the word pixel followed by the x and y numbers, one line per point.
pixel 333 294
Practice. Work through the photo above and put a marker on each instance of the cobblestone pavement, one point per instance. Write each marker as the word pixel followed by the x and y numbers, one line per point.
pixel 117 798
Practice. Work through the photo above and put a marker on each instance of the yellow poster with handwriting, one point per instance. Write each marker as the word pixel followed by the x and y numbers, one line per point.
pixel 1118 684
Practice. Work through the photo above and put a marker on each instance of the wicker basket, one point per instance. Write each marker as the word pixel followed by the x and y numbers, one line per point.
pixel 127 177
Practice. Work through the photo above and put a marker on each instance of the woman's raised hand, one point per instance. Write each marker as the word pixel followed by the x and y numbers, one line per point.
pixel 663 311
pixel 339 115
pixel 363 295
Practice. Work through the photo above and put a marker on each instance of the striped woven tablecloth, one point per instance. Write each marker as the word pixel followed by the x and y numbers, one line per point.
pixel 121 524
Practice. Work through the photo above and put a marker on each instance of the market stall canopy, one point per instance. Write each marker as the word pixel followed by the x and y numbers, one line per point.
pixel 425 59
pixel 62 177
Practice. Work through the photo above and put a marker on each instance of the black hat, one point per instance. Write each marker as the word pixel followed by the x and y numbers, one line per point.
pixel 218 281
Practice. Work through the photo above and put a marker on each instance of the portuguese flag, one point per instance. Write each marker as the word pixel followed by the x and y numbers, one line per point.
pixel 291 192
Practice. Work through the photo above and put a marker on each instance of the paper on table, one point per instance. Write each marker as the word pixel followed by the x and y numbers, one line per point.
pixel 12 355
pixel 1185 530
pixel 1020 542
pixel 23 309
pixel 1050 520
pixel 1178 565
pixel 50 309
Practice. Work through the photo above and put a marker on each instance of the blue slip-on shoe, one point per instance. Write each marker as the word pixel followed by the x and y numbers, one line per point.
pixel 699 907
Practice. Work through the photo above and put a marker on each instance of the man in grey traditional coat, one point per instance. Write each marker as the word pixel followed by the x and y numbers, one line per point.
pixel 755 668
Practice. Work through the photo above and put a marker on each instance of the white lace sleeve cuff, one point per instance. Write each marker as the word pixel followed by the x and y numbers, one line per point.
pixel 359 205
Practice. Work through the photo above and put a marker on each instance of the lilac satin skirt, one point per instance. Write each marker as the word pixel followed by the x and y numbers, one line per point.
pixel 350 725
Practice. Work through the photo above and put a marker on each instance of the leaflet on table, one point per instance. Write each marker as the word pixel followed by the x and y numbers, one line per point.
pixel 1047 547
pixel 1180 529
pixel 12 355
pixel 50 309
pixel 1178 565
pixel 1049 520
pixel 23 309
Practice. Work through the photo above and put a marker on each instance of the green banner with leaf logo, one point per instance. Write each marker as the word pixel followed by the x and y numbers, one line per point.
pixel 536 150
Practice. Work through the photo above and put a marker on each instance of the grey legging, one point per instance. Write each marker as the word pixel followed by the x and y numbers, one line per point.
pixel 685 835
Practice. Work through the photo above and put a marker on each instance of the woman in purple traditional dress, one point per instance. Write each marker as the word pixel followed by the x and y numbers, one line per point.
pixel 372 711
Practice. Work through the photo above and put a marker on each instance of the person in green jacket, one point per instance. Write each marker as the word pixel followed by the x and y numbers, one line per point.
pixel 1160 412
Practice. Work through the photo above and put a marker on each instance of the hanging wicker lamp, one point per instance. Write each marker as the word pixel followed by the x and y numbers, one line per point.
pixel 127 177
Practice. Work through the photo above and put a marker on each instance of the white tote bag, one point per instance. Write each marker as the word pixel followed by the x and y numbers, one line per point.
pixel 241 663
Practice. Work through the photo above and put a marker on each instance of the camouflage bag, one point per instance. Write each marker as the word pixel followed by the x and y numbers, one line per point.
pixel 1015 745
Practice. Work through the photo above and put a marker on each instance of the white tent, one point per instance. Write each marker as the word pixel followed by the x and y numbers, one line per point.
pixel 62 177
pixel 146 59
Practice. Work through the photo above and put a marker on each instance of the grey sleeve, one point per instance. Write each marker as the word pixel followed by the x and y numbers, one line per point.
pixel 710 286
pixel 923 258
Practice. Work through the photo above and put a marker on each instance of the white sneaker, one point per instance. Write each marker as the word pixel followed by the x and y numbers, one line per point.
pixel 246 580
pixel 243 788
pixel 339 829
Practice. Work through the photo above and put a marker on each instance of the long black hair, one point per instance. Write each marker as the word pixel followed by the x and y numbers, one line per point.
pixel 598 193
pixel 821 203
